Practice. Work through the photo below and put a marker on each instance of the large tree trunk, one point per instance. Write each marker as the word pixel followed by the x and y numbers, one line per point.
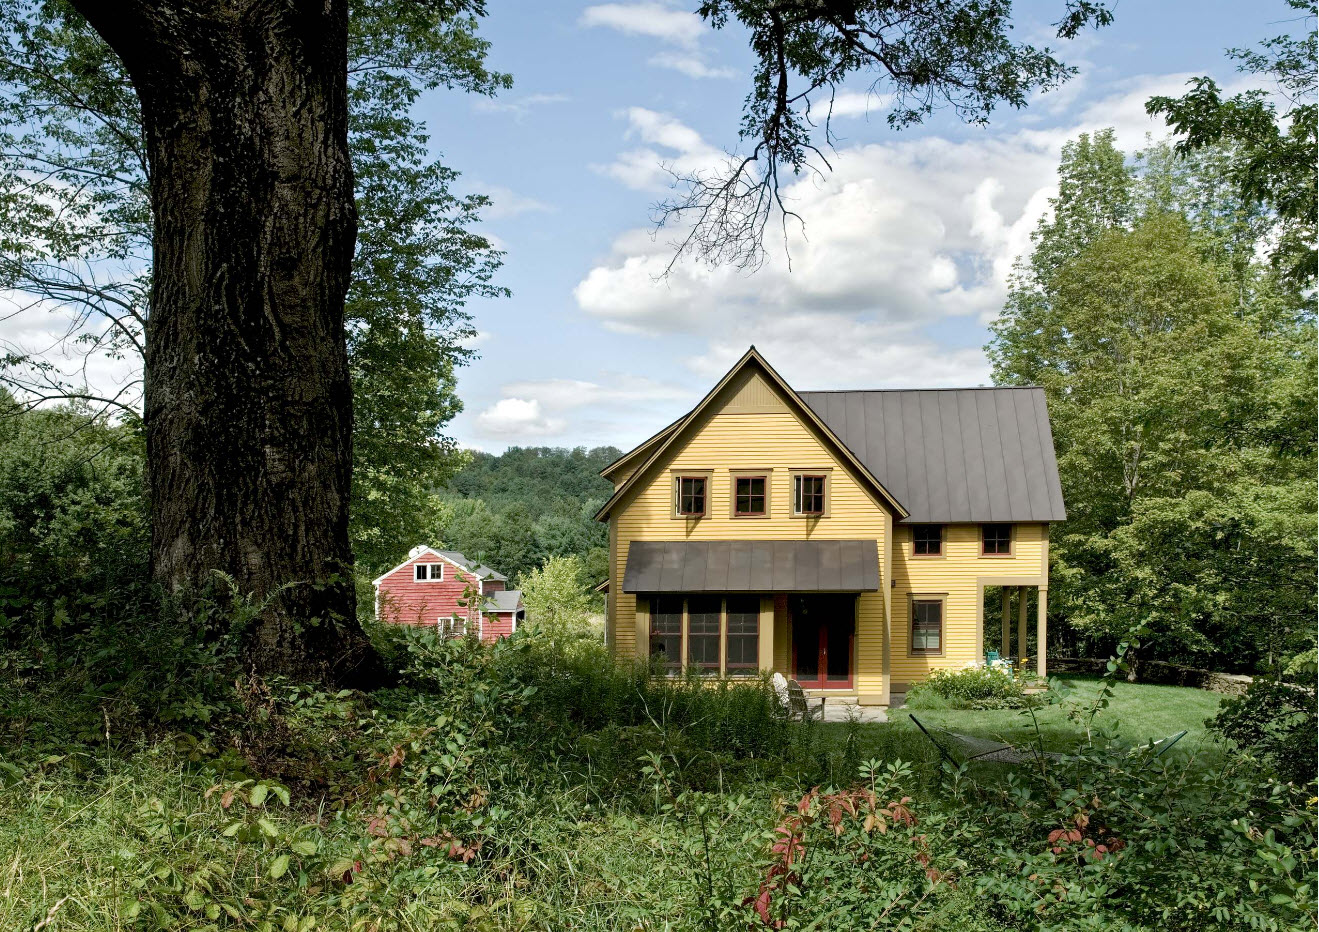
pixel 248 401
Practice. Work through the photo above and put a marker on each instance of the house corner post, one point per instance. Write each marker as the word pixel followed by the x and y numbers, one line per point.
pixel 765 660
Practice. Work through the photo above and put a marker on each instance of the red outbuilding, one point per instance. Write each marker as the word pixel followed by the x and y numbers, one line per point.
pixel 445 590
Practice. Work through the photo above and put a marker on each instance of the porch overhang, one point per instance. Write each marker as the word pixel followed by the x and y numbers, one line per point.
pixel 762 566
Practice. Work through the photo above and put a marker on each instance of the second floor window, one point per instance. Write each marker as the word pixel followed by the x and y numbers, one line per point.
pixel 927 540
pixel 749 496
pixel 808 495
pixel 426 571
pixel 691 495
pixel 996 540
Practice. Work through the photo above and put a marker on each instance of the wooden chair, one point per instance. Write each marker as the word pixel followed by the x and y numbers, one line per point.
pixel 798 705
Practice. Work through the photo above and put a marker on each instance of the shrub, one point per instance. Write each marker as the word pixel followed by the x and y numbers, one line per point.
pixel 1276 722
pixel 969 688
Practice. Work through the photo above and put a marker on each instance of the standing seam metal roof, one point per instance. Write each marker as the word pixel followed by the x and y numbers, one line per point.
pixel 953 455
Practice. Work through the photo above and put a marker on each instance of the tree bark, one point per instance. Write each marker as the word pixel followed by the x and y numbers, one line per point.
pixel 248 403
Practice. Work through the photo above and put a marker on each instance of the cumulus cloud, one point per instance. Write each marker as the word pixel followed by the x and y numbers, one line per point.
pixel 852 104
pixel 591 410
pixel 645 167
pixel 899 236
pixel 518 418
pixel 671 26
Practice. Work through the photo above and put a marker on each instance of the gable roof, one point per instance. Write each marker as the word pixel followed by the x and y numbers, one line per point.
pixel 450 556
pixel 750 358
pixel 953 455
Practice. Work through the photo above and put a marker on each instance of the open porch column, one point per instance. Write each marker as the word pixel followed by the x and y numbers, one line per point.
pixel 1041 637
pixel 1006 649
pixel 1021 622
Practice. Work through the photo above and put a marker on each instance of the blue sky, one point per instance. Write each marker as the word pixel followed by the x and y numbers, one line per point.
pixel 907 244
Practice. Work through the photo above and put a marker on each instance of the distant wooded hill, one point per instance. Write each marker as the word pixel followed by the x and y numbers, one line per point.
pixel 516 509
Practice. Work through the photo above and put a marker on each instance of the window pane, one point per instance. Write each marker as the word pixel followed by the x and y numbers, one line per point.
pixel 703 632
pixel 743 634
pixel 926 626
pixel 666 631
pixel 809 495
pixel 997 538
pixel 927 539
pixel 691 495
pixel 750 495
pixel 421 570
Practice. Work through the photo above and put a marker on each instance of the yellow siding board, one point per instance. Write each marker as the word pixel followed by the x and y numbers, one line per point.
pixel 957 573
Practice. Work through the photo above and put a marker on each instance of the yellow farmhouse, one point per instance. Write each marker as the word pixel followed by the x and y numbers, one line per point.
pixel 848 539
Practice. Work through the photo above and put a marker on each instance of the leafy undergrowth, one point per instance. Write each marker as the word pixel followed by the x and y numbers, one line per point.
pixel 538 786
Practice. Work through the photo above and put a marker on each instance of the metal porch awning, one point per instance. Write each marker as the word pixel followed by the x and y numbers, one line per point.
pixel 752 566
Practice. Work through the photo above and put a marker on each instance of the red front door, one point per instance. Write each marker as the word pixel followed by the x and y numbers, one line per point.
pixel 823 633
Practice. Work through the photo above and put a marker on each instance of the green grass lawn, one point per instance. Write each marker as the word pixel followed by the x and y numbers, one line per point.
pixel 1138 712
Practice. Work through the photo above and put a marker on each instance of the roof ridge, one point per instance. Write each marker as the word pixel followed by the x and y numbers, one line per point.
pixel 862 391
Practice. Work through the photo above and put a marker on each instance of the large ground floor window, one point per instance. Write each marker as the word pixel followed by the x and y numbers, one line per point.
pixel 713 634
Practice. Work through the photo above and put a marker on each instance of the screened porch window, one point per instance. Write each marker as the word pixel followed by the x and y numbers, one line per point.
pixel 743 635
pixel 703 633
pixel 666 632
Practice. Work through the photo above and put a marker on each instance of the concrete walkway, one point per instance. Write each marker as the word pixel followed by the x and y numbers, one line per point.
pixel 841 711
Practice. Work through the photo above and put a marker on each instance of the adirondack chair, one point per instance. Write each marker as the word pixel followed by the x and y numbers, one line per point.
pixel 798 705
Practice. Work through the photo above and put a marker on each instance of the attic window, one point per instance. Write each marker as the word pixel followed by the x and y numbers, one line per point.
pixel 429 571
pixel 691 495
pixel 749 497
pixel 808 495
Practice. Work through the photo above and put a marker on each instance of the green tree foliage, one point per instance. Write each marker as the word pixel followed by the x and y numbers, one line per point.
pixel 1273 151
pixel 1180 376
pixel 73 525
pixel 75 233
pixel 517 509
pixel 558 596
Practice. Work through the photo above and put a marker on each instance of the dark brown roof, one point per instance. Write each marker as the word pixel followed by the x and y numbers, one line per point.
pixel 953 455
pixel 752 566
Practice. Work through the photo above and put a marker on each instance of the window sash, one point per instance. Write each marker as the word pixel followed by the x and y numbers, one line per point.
pixel 666 631
pixel 743 651
pixel 996 539
pixel 703 633
pixel 927 626
pixel 927 540
pixel 809 497
pixel 749 496
pixel 691 495
pixel 425 571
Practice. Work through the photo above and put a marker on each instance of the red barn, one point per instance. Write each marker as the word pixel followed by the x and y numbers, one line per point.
pixel 444 589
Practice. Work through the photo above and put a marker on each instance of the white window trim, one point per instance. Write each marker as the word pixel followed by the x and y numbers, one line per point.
pixel 428 577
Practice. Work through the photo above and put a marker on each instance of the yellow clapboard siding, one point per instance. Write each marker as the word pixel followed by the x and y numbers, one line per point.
pixel 957 573
pixel 736 439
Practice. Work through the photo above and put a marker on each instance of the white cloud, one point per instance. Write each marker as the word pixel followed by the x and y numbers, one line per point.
pixel 692 65
pixel 505 202
pixel 518 417
pixel 647 169
pixel 646 19
pixel 518 106
pixel 657 21
pixel 900 236
pixel 852 103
